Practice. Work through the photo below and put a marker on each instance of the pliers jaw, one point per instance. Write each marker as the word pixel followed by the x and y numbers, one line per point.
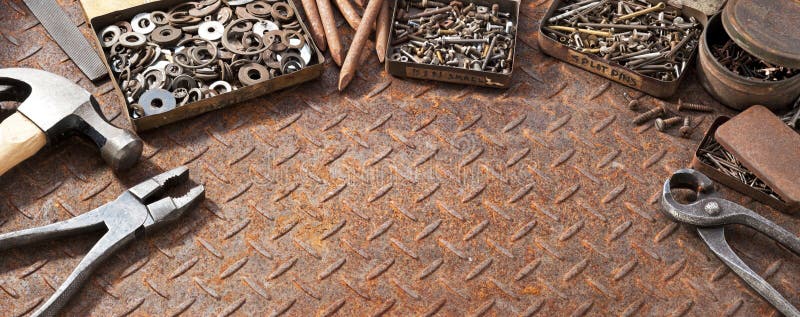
pixel 167 209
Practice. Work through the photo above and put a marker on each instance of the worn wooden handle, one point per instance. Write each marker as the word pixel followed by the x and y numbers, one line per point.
pixel 19 139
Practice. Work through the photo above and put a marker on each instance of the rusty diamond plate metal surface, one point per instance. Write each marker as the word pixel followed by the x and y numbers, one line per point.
pixel 395 198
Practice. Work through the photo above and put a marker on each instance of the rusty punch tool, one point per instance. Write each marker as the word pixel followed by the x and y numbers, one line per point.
pixel 709 214
pixel 52 107
pixel 133 213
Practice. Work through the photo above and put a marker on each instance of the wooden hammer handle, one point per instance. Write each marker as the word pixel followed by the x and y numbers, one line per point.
pixel 19 139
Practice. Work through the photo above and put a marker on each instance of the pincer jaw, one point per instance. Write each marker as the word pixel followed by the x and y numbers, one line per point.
pixel 169 209
pixel 686 179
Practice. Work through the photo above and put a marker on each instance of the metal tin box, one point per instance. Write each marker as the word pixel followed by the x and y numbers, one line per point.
pixel 98 16
pixel 453 74
pixel 612 71
pixel 701 165
pixel 736 91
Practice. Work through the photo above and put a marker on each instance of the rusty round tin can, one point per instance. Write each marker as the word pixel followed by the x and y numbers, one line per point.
pixel 736 91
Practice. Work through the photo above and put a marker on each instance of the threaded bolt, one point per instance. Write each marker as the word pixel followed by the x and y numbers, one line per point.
pixel 647 116
pixel 663 124
pixel 427 4
pixel 686 129
pixel 633 104
pixel 693 106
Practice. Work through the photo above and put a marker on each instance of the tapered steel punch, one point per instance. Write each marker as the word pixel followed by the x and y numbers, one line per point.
pixel 137 210
pixel 709 214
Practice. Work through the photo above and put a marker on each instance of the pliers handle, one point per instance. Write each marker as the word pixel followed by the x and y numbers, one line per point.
pixel 709 214
pixel 124 218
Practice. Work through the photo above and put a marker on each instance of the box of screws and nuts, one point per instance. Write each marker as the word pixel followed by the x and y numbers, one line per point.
pixel 464 41
pixel 646 45
pixel 172 60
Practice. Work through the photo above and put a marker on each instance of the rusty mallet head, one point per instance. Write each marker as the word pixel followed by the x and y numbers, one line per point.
pixel 59 108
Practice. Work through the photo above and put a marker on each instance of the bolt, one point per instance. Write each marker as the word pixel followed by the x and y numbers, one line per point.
pixel 489 52
pixel 663 124
pixel 427 4
pixel 649 115
pixel 693 106
pixel 430 12
pixel 446 41
pixel 686 129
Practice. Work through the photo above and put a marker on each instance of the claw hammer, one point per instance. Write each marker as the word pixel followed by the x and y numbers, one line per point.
pixel 52 107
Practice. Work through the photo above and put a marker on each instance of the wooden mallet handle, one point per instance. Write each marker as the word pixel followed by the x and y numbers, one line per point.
pixel 19 139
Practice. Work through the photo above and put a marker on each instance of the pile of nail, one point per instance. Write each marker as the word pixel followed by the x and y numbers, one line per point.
pixel 654 40
pixel 713 154
pixel 470 36
pixel 196 50
pixel 792 118
pixel 743 64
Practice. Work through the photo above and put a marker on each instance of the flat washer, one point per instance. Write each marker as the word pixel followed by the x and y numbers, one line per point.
pixel 173 70
pixel 211 30
pixel 282 11
pixel 157 101
pixel 265 26
pixel 143 23
pixel 166 35
pixel 259 8
pixel 159 18
pixel 293 39
pixel 291 61
pixel 215 87
pixel 132 40
pixel 305 53
pixel 110 35
pixel 252 74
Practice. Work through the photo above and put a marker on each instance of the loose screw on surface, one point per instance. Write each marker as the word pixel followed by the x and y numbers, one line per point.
pixel 633 104
pixel 663 124
pixel 647 116
pixel 693 106
pixel 686 129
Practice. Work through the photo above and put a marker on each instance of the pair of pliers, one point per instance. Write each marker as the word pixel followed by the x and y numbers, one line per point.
pixel 709 214
pixel 137 210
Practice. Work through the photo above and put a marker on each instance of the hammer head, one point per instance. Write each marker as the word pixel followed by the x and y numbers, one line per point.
pixel 59 108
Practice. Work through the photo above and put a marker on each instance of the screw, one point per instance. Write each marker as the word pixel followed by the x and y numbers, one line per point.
pixel 663 124
pixel 693 106
pixel 686 129
pixel 633 104
pixel 647 116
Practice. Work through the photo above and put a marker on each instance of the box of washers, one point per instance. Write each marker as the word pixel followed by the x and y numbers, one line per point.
pixel 464 41
pixel 171 59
